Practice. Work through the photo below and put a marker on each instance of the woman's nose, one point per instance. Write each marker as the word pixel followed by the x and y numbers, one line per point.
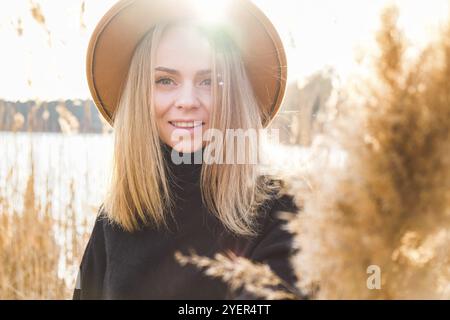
pixel 187 97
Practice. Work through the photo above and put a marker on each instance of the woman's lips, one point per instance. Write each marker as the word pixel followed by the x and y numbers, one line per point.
pixel 186 125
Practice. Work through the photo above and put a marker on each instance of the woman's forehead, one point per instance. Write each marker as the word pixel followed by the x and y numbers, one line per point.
pixel 183 50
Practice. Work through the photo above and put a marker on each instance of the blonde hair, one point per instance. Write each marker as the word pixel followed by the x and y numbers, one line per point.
pixel 139 190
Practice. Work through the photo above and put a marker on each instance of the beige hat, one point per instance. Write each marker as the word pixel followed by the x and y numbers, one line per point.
pixel 117 34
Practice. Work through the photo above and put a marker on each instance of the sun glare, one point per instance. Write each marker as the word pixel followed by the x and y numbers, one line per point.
pixel 211 12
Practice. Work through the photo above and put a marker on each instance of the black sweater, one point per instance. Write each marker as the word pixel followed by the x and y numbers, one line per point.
pixel 140 265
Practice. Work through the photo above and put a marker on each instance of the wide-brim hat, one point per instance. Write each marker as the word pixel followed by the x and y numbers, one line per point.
pixel 119 31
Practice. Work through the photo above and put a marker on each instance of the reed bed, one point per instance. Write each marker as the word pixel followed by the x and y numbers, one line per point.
pixel 39 252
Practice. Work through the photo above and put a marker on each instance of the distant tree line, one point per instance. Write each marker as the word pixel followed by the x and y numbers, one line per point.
pixel 79 116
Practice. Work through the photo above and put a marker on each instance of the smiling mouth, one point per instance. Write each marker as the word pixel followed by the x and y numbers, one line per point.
pixel 186 124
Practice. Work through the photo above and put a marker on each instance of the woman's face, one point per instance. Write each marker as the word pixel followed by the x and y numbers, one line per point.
pixel 182 94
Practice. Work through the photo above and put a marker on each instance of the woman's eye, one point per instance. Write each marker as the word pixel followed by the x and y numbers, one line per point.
pixel 168 81
pixel 164 81
pixel 207 82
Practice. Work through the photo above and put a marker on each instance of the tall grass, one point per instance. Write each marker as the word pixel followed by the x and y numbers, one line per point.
pixel 39 253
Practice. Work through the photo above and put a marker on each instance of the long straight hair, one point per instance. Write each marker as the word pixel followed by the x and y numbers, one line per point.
pixel 139 192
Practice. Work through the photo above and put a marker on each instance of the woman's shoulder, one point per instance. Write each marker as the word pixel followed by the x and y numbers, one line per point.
pixel 98 228
pixel 272 214
pixel 103 224
pixel 281 198
pixel 101 217
pixel 106 221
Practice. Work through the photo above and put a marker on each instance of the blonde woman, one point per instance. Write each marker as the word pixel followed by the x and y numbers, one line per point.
pixel 162 78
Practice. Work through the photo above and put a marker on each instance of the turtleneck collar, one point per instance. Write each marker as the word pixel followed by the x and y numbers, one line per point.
pixel 186 171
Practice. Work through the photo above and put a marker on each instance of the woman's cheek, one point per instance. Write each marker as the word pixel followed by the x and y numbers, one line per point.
pixel 162 103
pixel 207 101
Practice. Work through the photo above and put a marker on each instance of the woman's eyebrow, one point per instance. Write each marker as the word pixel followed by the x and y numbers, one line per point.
pixel 173 71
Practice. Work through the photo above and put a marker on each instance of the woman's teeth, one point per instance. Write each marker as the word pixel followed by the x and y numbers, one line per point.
pixel 188 124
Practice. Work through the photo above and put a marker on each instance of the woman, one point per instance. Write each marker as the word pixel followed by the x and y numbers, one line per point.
pixel 162 79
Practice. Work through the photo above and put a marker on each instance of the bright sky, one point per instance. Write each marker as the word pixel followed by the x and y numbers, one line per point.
pixel 325 32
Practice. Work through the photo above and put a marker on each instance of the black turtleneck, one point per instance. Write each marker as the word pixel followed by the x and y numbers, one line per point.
pixel 140 265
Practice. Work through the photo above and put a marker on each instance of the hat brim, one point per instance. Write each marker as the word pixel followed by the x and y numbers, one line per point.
pixel 117 34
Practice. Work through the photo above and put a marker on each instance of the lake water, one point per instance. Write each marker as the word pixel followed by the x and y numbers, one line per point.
pixel 58 159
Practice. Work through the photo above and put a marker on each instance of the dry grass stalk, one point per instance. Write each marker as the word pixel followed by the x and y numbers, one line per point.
pixel 38 16
pixel 239 272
